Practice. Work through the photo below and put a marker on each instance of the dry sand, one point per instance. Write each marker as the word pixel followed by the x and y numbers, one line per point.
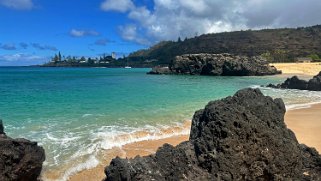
pixel 299 68
pixel 306 124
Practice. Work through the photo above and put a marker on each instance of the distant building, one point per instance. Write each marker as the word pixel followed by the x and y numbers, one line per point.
pixel 304 60
pixel 113 55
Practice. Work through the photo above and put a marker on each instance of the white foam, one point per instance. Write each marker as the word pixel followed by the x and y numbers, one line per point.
pixel 110 139
pixel 301 106
pixel 90 163
pixel 293 98
pixel 86 115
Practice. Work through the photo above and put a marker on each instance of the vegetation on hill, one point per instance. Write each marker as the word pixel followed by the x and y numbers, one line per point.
pixel 276 45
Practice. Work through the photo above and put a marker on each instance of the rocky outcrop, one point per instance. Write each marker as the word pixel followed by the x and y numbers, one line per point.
pixel 20 159
pixel 220 64
pixel 294 82
pixel 242 137
pixel 160 70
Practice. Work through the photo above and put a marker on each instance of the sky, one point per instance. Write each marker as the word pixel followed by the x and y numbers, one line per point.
pixel 32 31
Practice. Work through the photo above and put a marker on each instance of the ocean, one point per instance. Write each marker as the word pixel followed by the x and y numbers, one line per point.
pixel 76 113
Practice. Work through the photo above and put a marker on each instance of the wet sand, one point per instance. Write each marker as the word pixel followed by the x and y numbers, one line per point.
pixel 299 68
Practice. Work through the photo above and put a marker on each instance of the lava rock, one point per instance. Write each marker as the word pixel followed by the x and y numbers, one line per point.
pixel 220 64
pixel 160 70
pixel 1 127
pixel 294 82
pixel 242 137
pixel 20 159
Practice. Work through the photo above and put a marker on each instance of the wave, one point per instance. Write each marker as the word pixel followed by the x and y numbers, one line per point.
pixel 107 138
pixel 293 98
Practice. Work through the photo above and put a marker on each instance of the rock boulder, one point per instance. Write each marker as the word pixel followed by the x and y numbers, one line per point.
pixel 20 159
pixel 294 82
pixel 242 137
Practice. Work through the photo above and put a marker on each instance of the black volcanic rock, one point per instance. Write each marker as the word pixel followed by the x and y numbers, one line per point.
pixel 1 128
pixel 160 70
pixel 20 159
pixel 294 82
pixel 242 137
pixel 220 64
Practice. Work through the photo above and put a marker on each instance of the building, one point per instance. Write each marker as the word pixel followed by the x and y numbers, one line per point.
pixel 113 55
pixel 304 60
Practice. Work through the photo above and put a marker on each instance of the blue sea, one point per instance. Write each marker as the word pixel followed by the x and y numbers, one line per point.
pixel 75 113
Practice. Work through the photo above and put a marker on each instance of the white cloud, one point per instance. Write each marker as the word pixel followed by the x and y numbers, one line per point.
pixel 20 59
pixel 117 5
pixel 130 33
pixel 170 19
pixel 81 33
pixel 17 4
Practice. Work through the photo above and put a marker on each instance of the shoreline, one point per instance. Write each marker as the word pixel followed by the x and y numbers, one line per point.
pixel 302 121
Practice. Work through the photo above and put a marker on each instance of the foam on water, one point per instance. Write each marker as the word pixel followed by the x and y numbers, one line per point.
pixel 293 98
pixel 104 138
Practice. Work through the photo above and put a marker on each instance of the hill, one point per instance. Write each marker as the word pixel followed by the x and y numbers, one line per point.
pixel 276 45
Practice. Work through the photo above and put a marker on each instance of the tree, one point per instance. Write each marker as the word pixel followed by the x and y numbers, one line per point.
pixel 55 58
pixel 179 40
pixel 59 56
pixel 314 57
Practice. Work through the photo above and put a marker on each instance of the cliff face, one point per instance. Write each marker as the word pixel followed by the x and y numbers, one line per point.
pixel 242 137
pixel 294 82
pixel 20 159
pixel 218 64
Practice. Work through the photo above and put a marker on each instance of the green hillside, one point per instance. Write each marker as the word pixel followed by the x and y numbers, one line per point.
pixel 276 45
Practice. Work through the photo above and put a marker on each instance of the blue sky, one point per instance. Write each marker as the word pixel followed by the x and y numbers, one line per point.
pixel 32 31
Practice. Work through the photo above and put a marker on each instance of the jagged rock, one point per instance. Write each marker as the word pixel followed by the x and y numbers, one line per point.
pixel 20 159
pixel 294 82
pixel 220 64
pixel 242 137
pixel 1 127
pixel 160 70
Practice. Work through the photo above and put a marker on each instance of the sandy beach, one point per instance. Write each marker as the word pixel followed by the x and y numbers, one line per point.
pixel 307 69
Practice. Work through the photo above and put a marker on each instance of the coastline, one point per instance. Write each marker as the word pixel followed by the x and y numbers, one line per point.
pixel 302 121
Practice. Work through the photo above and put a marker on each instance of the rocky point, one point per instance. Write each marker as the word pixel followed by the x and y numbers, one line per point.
pixel 217 64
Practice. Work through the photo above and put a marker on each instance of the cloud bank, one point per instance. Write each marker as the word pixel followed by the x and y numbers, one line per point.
pixel 21 59
pixel 44 47
pixel 82 33
pixel 17 4
pixel 170 19
pixel 8 46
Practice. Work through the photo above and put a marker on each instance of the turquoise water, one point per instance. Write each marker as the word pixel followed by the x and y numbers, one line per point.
pixel 76 112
